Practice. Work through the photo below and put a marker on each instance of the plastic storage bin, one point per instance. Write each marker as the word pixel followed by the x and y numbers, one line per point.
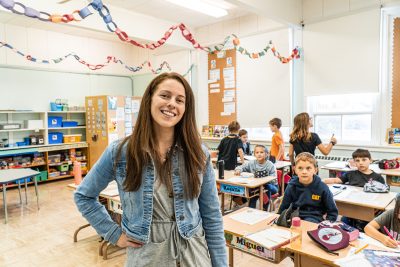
pixel 63 167
pixel 55 138
pixel 54 121
pixel 55 107
pixel 42 176
pixel 72 138
pixel 69 123
pixel 54 158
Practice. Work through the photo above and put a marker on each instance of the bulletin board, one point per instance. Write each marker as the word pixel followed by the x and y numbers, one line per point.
pixel 222 97
pixel 396 75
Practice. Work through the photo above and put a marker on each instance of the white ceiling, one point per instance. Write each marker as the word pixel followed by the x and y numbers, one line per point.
pixel 165 10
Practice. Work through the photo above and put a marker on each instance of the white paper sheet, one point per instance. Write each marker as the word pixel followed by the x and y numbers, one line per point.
pixel 251 216
pixel 367 239
pixel 270 237
pixel 229 93
pixel 135 105
pixel 214 85
pixel 120 114
pixel 214 75
pixel 240 180
pixel 229 107
pixel 213 91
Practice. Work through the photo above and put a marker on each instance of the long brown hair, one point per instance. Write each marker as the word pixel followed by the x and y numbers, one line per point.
pixel 141 146
pixel 300 130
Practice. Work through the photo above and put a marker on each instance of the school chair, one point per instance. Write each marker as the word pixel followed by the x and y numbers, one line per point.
pixel 275 198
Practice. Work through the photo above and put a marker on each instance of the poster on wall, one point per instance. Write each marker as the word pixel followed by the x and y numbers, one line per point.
pixel 393 136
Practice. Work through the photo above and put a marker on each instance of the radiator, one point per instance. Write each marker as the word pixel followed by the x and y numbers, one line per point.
pixel 323 160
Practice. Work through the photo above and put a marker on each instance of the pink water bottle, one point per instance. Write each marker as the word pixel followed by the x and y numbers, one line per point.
pixel 77 172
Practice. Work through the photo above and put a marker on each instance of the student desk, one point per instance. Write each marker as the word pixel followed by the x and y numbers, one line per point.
pixel 13 175
pixel 241 189
pixel 110 194
pixel 353 202
pixel 392 175
pixel 235 239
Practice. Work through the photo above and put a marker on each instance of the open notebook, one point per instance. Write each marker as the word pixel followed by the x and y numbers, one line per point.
pixel 272 237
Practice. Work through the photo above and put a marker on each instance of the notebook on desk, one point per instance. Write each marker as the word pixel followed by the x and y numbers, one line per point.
pixel 271 238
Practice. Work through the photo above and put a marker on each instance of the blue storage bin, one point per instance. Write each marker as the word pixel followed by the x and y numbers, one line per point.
pixel 21 144
pixel 69 123
pixel 55 138
pixel 54 121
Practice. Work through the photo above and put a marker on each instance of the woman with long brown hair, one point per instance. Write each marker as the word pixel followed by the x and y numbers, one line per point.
pixel 171 214
pixel 302 140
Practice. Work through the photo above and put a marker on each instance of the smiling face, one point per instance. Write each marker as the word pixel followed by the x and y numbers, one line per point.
pixel 305 170
pixel 168 104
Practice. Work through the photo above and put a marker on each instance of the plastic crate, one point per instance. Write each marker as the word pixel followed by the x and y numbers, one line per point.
pixel 55 138
pixel 63 167
pixel 72 138
pixel 54 121
pixel 69 123
pixel 54 158
pixel 42 176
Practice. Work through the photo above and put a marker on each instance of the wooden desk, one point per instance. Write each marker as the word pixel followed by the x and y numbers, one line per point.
pixel 110 193
pixel 310 254
pixel 12 175
pixel 353 202
pixel 391 174
pixel 241 189
pixel 235 239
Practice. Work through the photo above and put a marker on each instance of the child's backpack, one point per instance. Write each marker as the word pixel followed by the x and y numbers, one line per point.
pixel 330 239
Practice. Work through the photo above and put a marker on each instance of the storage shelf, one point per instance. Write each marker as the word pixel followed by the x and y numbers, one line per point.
pixel 65 128
pixel 21 130
pixel 65 112
pixel 59 177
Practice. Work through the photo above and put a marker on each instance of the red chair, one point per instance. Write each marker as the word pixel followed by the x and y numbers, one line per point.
pixel 277 197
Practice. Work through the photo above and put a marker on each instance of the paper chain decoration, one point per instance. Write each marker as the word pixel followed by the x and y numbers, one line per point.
pixel 104 12
pixel 110 59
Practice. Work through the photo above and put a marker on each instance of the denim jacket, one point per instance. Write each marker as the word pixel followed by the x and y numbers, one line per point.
pixel 138 205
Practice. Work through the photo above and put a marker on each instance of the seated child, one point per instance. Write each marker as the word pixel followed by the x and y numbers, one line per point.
pixel 308 193
pixel 389 219
pixel 261 167
pixel 362 175
pixel 359 177
pixel 230 146
pixel 246 145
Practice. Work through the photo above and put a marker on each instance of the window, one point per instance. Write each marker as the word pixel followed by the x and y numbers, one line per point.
pixel 265 134
pixel 349 117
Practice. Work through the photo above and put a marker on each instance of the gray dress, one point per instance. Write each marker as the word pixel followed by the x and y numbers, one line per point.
pixel 166 248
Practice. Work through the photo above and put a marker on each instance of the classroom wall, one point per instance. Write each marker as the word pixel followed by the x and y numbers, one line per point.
pixel 255 32
pixel 46 44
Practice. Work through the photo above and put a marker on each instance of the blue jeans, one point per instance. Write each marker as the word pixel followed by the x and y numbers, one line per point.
pixel 271 190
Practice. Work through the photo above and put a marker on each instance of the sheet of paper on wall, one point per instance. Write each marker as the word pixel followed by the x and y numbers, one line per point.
pixel 227 99
pixel 221 54
pixel 128 124
pixel 214 75
pixel 229 84
pixel 229 93
pixel 128 102
pixel 128 131
pixel 225 113
pixel 135 105
pixel 229 107
pixel 120 114
pixel 128 118
pixel 90 102
pixel 213 91
pixel 214 85
pixel 128 110
pixel 229 74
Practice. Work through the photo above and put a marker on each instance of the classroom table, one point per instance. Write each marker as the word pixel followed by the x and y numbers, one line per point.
pixel 235 236
pixel 353 202
pixel 392 175
pixel 13 175
pixel 111 195
pixel 227 186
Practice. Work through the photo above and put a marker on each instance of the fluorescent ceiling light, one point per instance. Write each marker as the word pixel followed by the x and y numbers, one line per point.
pixel 202 7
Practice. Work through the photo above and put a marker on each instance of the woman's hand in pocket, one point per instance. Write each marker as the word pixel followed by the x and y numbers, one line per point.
pixel 124 242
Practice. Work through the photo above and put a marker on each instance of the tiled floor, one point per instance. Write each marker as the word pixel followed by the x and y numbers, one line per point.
pixel 45 237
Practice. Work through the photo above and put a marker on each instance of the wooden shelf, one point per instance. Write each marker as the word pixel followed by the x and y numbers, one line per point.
pixel 21 130
pixel 67 128
pixel 65 112
pixel 59 177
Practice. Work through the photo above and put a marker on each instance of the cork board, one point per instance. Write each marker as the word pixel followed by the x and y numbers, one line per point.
pixel 222 102
pixel 396 75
